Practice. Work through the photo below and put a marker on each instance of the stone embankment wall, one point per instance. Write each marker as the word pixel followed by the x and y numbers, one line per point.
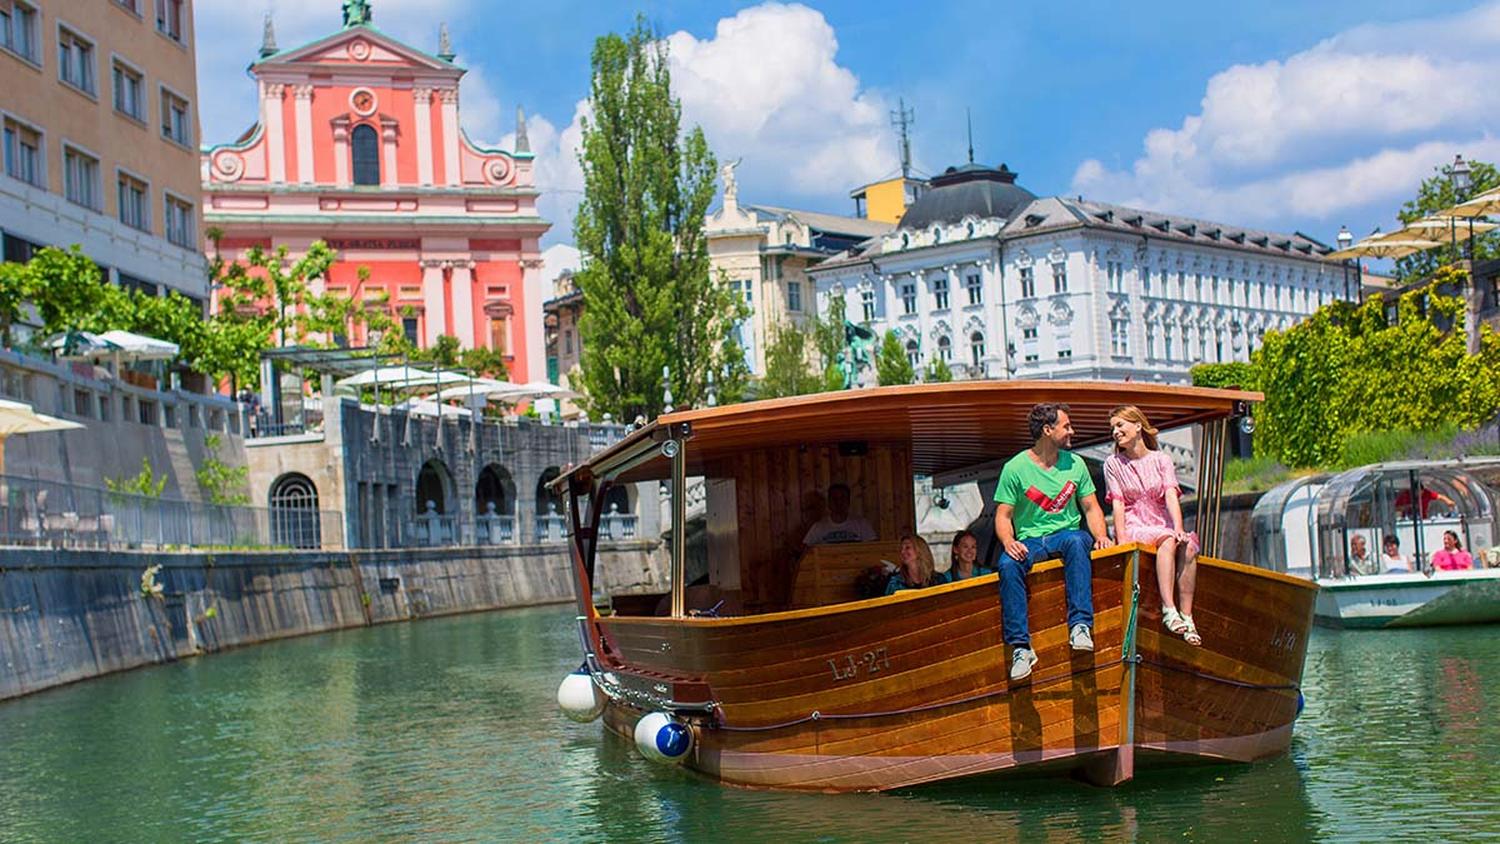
pixel 69 615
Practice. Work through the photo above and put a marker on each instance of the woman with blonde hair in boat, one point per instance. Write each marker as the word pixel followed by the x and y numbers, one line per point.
pixel 917 570
pixel 1141 485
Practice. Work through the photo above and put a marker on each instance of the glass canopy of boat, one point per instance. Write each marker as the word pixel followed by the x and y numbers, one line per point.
pixel 1306 525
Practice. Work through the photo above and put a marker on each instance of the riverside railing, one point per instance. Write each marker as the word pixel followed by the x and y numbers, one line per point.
pixel 58 515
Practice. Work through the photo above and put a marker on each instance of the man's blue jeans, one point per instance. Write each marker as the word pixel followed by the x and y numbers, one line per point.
pixel 1074 547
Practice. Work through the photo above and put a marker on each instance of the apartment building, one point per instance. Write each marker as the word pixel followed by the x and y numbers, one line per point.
pixel 100 137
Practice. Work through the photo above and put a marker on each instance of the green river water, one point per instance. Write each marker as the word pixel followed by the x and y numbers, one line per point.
pixel 446 730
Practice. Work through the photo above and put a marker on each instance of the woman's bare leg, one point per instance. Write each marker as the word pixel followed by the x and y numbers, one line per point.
pixel 1166 569
pixel 1187 578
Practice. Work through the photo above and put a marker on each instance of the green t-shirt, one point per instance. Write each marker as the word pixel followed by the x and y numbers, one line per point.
pixel 1045 500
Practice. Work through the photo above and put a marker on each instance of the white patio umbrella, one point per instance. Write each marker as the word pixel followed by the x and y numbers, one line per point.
pixel 479 387
pixel 1374 247
pixel 81 345
pixel 397 377
pixel 17 418
pixel 138 347
pixel 534 390
pixel 1480 206
pixel 427 407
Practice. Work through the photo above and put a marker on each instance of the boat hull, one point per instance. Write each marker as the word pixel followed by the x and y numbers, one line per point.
pixel 1411 600
pixel 914 688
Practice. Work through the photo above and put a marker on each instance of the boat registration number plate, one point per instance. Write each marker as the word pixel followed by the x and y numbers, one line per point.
pixel 851 666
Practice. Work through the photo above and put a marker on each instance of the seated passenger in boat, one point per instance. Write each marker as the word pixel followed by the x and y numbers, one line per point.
pixel 965 558
pixel 1453 556
pixel 1360 561
pixel 1426 496
pixel 1391 559
pixel 839 525
pixel 1041 495
pixel 1141 485
pixel 917 569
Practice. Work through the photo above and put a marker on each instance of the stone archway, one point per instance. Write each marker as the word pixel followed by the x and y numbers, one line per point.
pixel 495 489
pixel 295 520
pixel 435 487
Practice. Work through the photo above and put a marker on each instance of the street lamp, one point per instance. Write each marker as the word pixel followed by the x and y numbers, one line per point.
pixel 1460 177
pixel 1345 240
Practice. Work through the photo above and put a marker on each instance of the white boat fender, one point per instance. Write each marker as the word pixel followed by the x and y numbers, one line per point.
pixel 661 738
pixel 579 698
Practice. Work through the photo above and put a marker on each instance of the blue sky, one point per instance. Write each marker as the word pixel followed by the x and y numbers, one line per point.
pixel 1280 115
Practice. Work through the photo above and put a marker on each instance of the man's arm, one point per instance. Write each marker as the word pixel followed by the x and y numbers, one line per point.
pixel 1093 516
pixel 1006 530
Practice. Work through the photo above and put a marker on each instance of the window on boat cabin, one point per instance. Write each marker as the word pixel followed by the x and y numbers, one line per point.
pixel 976 348
pixel 364 144
pixel 794 296
pixel 945 349
pixel 976 290
pixel 913 353
pixel 1028 282
pixel 867 303
pixel 909 298
pixel 940 293
pixel 1060 278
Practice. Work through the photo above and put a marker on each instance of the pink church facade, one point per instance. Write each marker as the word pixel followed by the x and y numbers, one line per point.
pixel 359 145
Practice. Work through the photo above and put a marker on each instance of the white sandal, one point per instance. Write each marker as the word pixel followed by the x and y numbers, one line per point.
pixel 1175 621
pixel 1190 634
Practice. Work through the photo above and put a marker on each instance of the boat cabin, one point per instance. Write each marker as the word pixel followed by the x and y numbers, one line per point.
pixel 1308 526
pixel 769 470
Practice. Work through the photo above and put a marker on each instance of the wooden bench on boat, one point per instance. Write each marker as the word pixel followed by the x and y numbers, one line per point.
pixel 829 574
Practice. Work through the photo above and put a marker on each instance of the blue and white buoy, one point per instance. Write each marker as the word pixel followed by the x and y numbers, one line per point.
pixel 579 698
pixel 661 738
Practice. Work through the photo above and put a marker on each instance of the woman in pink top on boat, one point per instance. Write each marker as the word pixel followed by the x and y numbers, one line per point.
pixel 1453 556
pixel 1141 484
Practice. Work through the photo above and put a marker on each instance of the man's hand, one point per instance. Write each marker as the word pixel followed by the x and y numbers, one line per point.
pixel 1101 542
pixel 1016 549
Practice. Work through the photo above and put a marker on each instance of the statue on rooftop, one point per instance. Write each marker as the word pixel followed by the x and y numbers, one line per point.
pixel 356 12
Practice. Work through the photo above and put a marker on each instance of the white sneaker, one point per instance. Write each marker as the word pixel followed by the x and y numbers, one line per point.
pixel 1021 660
pixel 1081 639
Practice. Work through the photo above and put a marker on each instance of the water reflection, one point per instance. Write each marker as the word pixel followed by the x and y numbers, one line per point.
pixel 445 730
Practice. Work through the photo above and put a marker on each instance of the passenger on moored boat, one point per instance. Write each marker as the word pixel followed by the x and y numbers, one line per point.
pixel 965 558
pixel 1141 486
pixel 1040 495
pixel 917 568
pixel 839 525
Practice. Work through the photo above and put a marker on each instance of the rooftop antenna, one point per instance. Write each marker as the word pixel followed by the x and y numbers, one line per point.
pixel 969 116
pixel 902 118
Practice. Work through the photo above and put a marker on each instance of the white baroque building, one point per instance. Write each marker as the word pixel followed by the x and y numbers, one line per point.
pixel 1000 283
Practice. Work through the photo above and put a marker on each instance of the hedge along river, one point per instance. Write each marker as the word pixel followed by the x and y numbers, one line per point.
pixel 447 730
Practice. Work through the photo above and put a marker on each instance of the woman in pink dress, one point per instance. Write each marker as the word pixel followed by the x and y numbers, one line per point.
pixel 1453 557
pixel 1141 485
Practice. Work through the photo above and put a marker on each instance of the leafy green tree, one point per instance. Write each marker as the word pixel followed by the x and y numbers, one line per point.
pixel 147 483
pixel 16 287
pixel 788 372
pixel 891 363
pixel 68 289
pixel 1435 195
pixel 828 337
pixel 652 301
pixel 938 372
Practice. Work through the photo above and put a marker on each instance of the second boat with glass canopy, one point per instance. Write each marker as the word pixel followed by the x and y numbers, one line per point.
pixel 1392 544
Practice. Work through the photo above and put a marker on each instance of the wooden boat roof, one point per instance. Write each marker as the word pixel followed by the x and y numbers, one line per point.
pixel 948 427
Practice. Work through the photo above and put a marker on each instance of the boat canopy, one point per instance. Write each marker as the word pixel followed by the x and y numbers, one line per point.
pixel 949 428
pixel 1268 528
pixel 1413 501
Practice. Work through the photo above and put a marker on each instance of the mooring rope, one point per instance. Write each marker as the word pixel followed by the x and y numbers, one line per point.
pixel 816 715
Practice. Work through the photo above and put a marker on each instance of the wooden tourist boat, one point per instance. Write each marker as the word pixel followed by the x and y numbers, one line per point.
pixel 797 683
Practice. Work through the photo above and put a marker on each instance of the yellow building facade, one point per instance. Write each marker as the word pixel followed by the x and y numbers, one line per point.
pixel 100 137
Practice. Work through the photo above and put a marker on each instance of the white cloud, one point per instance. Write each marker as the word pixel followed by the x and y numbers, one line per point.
pixel 1354 122
pixel 766 88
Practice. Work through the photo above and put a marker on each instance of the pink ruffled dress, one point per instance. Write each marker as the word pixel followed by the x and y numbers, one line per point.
pixel 1141 484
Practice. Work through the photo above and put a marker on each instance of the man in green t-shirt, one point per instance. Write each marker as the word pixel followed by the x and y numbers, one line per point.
pixel 1041 493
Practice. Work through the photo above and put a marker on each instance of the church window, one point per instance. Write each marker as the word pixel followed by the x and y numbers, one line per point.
pixel 365 145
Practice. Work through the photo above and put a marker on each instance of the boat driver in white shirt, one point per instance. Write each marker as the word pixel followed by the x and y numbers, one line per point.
pixel 839 525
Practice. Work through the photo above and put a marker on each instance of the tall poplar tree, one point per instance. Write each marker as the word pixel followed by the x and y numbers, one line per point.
pixel 650 298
